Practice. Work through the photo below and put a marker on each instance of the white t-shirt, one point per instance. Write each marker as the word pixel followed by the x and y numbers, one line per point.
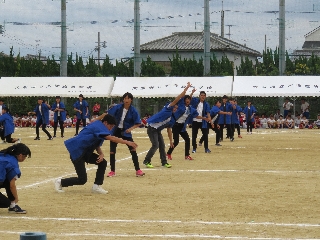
pixel 289 121
pixel 68 120
pixel 280 121
pixel 304 107
pixel 287 105
pixel 58 107
pixel 124 112
pixel 199 110
pixel 263 120
pixel 271 121
pixel 183 118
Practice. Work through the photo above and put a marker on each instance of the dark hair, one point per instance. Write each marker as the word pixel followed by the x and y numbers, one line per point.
pixel 202 92
pixel 127 94
pixel 109 119
pixel 17 149
pixel 186 97
pixel 6 109
pixel 40 98
pixel 81 95
pixel 58 97
pixel 217 101
pixel 225 97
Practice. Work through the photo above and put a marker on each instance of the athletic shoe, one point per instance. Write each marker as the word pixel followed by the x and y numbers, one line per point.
pixel 76 134
pixel 2 142
pixel 111 174
pixel 139 173
pixel 62 136
pixel 207 150
pixel 19 140
pixel 167 165
pixel 218 145
pixel 50 138
pixel 169 157
pixel 188 158
pixel 37 138
pixel 54 136
pixel 239 136
pixel 16 209
pixel 221 140
pixel 194 151
pixel 148 165
pixel 57 185
pixel 98 189
pixel 250 132
pixel 200 144
pixel 231 139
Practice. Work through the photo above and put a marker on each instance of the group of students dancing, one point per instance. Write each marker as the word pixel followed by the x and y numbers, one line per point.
pixel 117 126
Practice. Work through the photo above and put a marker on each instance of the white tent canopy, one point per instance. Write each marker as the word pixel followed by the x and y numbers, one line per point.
pixel 171 86
pixel 56 86
pixel 276 86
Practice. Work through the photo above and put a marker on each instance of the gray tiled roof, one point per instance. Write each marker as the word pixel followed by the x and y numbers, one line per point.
pixel 311 45
pixel 193 41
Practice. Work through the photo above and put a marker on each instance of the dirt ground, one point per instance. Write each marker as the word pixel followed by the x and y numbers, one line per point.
pixel 263 186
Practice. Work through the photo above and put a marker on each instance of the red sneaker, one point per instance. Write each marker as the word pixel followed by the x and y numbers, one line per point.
pixel 139 173
pixel 188 158
pixel 111 174
pixel 169 157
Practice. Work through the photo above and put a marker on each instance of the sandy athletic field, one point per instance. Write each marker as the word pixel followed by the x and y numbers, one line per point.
pixel 263 186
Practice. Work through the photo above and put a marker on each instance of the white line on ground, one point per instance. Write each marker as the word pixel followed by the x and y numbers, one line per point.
pixel 166 236
pixel 297 225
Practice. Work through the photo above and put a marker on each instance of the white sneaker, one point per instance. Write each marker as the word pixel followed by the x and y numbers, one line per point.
pixel 2 142
pixel 19 140
pixel 97 189
pixel 57 185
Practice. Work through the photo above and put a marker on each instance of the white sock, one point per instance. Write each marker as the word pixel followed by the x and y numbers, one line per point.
pixel 12 205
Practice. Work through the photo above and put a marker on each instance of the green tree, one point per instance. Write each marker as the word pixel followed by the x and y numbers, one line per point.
pixel 151 69
pixel 246 68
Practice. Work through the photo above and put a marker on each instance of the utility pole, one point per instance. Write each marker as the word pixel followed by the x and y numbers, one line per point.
pixel 282 44
pixel 222 21
pixel 63 60
pixel 206 70
pixel 282 38
pixel 137 58
pixel 98 48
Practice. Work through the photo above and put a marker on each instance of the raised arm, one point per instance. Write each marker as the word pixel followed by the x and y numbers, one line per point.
pixel 182 94
pixel 192 92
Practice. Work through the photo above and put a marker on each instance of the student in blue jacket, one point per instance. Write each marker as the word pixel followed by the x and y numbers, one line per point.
pixel 6 121
pixel 81 149
pixel 59 116
pixel 249 111
pixel 42 112
pixel 127 118
pixel 82 111
pixel 215 113
pixel 203 108
pixel 9 173
pixel 1 128
pixel 237 118
pixel 156 123
pixel 225 120
pixel 183 115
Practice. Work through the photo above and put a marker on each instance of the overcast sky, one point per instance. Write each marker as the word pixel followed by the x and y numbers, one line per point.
pixel 31 25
